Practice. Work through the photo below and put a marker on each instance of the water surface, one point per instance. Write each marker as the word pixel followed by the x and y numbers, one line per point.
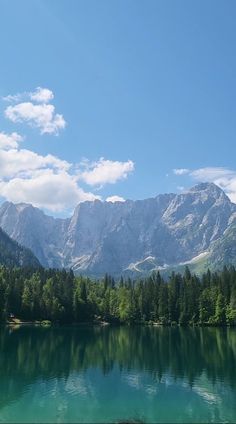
pixel 110 374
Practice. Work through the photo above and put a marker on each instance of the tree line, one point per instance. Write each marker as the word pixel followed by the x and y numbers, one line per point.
pixel 60 296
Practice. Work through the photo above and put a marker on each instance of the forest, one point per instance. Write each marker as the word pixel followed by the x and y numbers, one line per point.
pixel 61 297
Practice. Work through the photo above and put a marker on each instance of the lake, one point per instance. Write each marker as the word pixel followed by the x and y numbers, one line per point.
pixel 112 374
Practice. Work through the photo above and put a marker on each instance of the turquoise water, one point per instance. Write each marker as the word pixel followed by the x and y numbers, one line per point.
pixel 113 374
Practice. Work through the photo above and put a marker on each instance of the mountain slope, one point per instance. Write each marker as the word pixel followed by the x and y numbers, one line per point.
pixel 12 254
pixel 40 233
pixel 224 250
pixel 125 237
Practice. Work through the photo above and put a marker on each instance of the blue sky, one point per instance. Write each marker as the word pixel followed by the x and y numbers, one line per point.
pixel 142 88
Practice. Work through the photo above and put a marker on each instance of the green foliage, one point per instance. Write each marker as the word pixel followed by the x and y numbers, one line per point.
pixel 185 353
pixel 59 296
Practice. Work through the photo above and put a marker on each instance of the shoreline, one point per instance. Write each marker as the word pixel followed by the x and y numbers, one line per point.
pixel 47 323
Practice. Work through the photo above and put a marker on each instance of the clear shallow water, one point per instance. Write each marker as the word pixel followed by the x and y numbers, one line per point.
pixel 96 375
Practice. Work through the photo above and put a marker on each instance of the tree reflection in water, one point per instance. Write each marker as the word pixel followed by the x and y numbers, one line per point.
pixel 29 354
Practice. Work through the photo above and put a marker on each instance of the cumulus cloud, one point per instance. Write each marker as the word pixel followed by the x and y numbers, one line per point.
pixel 8 141
pixel 42 180
pixel 41 95
pixel 106 171
pixel 223 177
pixel 41 116
pixel 114 199
pixel 37 113
pixel 24 162
pixel 45 180
pixel 47 189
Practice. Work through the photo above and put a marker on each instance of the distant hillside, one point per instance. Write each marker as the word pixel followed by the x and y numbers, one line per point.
pixel 12 254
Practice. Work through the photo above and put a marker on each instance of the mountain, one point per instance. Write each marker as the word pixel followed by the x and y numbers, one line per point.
pixel 12 254
pixel 40 233
pixel 167 231
pixel 223 251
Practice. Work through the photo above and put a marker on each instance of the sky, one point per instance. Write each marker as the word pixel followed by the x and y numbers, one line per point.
pixel 115 99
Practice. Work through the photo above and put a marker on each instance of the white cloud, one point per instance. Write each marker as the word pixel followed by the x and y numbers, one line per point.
pixel 223 177
pixel 181 171
pixel 34 109
pixel 42 180
pixel 106 171
pixel 12 98
pixel 8 141
pixel 211 173
pixel 114 199
pixel 46 189
pixel 24 162
pixel 42 95
pixel 41 116
pixel 45 180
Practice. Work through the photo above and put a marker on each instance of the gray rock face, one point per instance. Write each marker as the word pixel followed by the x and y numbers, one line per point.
pixel 12 254
pixel 114 237
pixel 30 227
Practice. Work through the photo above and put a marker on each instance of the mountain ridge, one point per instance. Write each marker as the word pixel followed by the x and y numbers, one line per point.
pixel 100 237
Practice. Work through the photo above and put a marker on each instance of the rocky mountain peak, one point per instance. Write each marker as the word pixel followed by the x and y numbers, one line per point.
pixel 109 237
pixel 209 189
